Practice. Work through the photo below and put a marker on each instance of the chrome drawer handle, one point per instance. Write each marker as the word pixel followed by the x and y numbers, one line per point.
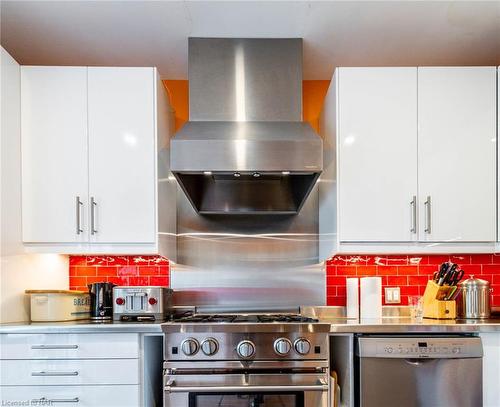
pixel 45 401
pixel 54 347
pixel 44 374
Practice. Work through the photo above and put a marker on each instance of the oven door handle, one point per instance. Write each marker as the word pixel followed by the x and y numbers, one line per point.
pixel 172 388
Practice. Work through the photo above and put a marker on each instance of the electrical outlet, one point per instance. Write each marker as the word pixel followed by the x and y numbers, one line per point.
pixel 392 295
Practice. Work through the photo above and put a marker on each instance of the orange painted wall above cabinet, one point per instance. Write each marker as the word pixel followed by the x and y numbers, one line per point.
pixel 313 93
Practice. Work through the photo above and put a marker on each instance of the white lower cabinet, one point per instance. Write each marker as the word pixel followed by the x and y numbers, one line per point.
pixel 91 370
pixel 69 346
pixel 81 396
pixel 491 369
pixel 68 372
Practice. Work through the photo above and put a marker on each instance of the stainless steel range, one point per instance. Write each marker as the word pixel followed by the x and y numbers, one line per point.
pixel 246 360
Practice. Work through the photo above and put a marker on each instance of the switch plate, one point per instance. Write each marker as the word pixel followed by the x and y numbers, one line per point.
pixel 392 295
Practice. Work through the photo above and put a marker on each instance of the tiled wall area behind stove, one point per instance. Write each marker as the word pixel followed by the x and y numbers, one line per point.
pixel 121 270
pixel 411 272
pixel 408 272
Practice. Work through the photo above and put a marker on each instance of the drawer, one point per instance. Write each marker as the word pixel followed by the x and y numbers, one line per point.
pixel 69 372
pixel 77 396
pixel 69 346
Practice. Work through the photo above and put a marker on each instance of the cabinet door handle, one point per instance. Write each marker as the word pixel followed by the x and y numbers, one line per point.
pixel 93 205
pixel 413 205
pixel 54 347
pixel 44 401
pixel 428 215
pixel 54 373
pixel 79 205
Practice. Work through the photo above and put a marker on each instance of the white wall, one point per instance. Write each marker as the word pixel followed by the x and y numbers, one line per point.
pixel 18 271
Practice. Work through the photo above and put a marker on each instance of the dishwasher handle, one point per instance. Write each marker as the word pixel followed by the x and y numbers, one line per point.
pixel 419 362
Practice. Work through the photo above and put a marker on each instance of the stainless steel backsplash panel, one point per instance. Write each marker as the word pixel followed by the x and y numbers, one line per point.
pixel 248 262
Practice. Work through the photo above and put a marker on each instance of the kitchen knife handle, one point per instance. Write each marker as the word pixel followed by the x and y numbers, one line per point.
pixel 413 205
pixel 427 205
pixel 93 205
pixel 79 205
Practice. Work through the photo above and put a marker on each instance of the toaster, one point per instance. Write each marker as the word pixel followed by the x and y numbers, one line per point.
pixel 141 303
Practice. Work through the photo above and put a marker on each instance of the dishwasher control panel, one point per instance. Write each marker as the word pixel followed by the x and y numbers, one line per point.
pixel 409 347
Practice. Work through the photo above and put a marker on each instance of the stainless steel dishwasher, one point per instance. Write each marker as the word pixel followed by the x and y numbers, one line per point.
pixel 419 371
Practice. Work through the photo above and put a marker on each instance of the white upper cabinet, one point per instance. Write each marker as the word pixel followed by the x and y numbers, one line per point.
pixel 54 154
pixel 122 155
pixel 457 153
pixel 410 161
pixel 89 158
pixel 377 154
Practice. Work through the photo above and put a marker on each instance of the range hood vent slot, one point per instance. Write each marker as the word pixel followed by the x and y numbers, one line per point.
pixel 225 193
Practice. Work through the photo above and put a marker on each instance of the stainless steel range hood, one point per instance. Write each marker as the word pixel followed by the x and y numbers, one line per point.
pixel 245 149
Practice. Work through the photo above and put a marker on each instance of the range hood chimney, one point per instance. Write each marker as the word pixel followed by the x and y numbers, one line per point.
pixel 245 149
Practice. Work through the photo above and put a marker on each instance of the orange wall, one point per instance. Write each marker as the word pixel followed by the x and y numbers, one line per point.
pixel 313 93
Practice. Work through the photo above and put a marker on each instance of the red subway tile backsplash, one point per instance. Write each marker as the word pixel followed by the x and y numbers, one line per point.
pixel 120 270
pixel 408 272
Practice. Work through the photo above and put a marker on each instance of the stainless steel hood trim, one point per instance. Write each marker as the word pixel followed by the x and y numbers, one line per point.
pixel 247 146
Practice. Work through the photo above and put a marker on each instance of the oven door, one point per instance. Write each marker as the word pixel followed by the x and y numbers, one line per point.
pixel 248 389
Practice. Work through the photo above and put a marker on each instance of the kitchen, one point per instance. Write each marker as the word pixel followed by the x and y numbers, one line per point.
pixel 250 203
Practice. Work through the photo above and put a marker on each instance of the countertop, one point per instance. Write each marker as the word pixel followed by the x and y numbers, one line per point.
pixel 338 325
pixel 82 326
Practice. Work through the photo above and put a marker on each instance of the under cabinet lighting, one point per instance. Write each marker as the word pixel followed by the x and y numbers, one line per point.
pixel 207 172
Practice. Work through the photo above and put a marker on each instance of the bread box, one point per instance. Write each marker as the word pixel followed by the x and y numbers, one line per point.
pixel 59 305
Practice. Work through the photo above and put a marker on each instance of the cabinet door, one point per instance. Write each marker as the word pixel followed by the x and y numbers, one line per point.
pixel 491 369
pixel 54 154
pixel 81 396
pixel 122 155
pixel 457 153
pixel 377 142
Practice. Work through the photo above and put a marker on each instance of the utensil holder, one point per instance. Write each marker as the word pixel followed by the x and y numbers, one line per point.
pixel 435 306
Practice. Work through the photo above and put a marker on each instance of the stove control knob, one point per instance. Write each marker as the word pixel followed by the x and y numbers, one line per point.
pixel 282 346
pixel 209 346
pixel 302 346
pixel 190 346
pixel 245 349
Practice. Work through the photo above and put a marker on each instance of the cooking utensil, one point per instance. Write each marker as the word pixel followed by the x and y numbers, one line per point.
pixel 475 299
pixel 455 277
pixel 441 273
pixel 450 268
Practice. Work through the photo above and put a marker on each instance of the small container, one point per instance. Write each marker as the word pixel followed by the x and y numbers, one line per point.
pixel 473 301
pixel 59 305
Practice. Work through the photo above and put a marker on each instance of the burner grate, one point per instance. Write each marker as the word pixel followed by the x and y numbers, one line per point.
pixel 244 318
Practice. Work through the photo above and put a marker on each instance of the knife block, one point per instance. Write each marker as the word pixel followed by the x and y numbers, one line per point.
pixel 435 307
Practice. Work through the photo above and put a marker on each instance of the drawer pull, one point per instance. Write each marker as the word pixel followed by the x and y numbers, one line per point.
pixel 45 401
pixel 54 347
pixel 54 373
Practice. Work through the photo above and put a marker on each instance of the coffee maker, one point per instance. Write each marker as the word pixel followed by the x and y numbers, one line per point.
pixel 101 301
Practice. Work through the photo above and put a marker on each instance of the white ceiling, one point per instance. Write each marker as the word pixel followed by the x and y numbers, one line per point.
pixel 336 33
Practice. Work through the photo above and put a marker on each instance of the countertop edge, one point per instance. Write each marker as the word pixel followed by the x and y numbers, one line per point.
pixel 335 328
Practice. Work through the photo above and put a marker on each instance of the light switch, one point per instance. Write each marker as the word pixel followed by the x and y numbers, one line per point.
pixel 392 295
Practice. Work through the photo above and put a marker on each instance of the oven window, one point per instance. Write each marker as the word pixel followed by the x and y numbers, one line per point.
pixel 250 399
